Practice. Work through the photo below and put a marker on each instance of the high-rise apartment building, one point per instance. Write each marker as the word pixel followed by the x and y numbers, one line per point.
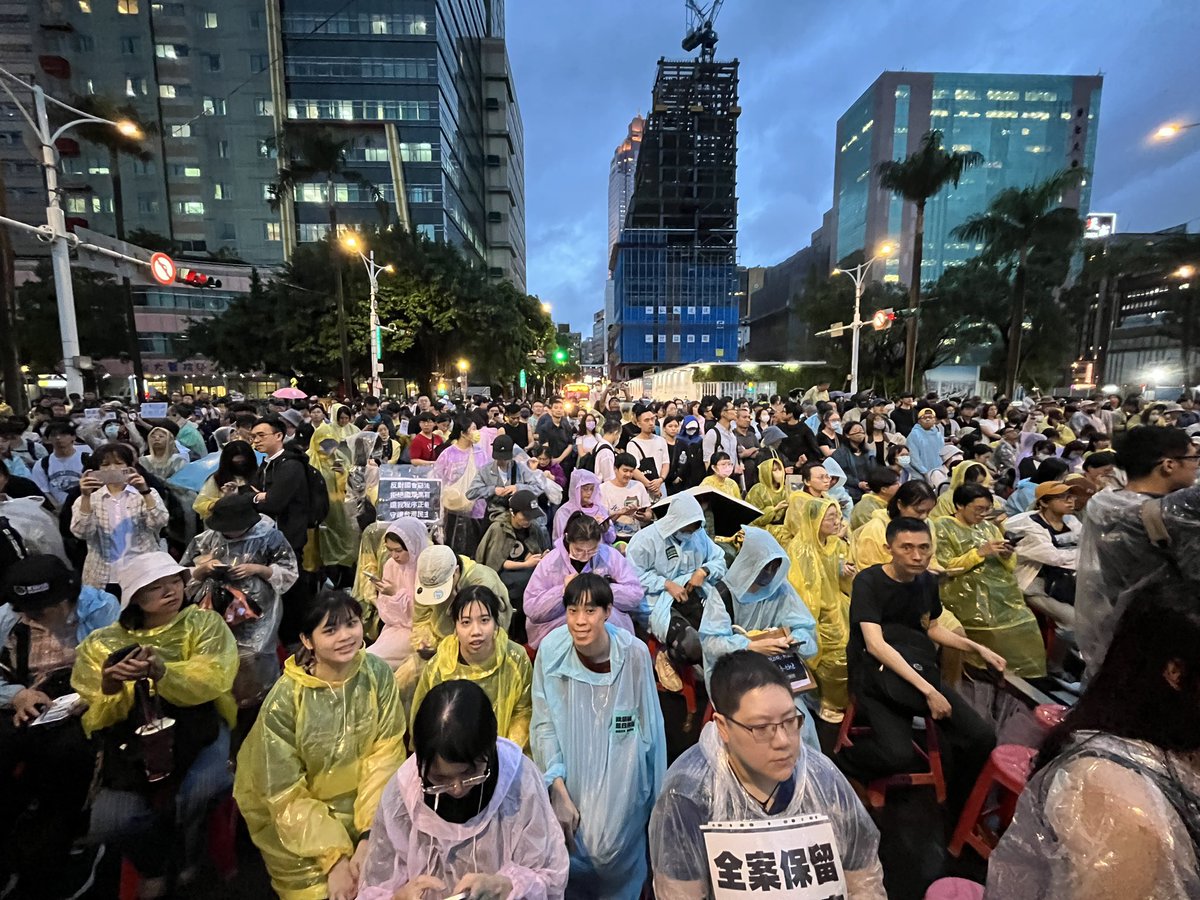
pixel 620 181
pixel 1026 126
pixel 675 274
pixel 421 89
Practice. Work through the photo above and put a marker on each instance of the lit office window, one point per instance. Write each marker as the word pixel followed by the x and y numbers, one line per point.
pixel 210 20
pixel 127 7
pixel 272 231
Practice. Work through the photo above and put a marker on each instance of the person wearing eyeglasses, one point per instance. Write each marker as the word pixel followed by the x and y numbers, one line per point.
pixel 1114 548
pixel 598 736
pixel 466 815
pixel 751 765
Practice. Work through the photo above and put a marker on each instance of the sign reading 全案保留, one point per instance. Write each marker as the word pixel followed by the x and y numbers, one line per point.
pixel 404 492
pixel 796 858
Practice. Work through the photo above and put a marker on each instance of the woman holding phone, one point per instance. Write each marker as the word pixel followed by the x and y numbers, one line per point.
pixel 117 514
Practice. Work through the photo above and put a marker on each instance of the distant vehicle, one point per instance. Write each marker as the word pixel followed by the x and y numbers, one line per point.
pixel 576 395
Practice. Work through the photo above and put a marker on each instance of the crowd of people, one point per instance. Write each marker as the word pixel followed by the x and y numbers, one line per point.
pixel 624 628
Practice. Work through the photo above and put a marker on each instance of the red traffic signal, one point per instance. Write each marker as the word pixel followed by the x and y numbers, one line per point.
pixel 883 319
pixel 196 279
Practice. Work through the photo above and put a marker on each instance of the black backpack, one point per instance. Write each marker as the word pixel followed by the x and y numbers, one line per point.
pixel 318 496
pixel 588 463
pixel 12 545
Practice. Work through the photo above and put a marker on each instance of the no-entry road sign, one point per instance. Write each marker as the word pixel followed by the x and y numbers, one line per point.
pixel 162 267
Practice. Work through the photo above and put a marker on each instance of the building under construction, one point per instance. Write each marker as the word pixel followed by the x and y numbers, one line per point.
pixel 675 263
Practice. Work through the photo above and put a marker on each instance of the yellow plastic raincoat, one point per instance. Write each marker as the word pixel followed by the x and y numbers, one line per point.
pixel 337 535
pixel 815 573
pixel 507 679
pixel 958 477
pixel 200 653
pixel 432 623
pixel 986 597
pixel 371 556
pixel 724 485
pixel 313 767
pixel 866 507
pixel 766 493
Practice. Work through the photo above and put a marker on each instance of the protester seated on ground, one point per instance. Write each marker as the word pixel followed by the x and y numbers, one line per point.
pixel 513 545
pixel 1048 552
pixel 1100 468
pixel 481 651
pixel 760 599
pixel 17 486
pixel 466 814
pixel 626 500
pixel 1110 810
pixel 395 584
pixel 329 736
pixel 584 496
pixel 241 567
pixel 967 473
pixel 189 656
pixel 820 572
pixel 883 484
pixel 678 564
pixel 720 477
pixel 770 495
pixel 45 770
pixel 598 736
pixel 750 764
pixel 1021 499
pixel 980 586
pixel 117 513
pixel 496 482
pixel 894 672
pixel 581 550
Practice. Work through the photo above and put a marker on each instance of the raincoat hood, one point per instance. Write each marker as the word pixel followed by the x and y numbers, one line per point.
pixel 298 674
pixel 687 438
pixel 562 660
pixel 809 531
pixel 361 445
pixel 413 535
pixel 758 550
pixel 579 478
pixel 509 757
pixel 683 510
pixel 445 660
pixel 766 471
pixel 320 461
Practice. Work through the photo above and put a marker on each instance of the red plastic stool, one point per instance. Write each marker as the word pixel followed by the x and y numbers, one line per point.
pixel 877 789
pixel 954 889
pixel 1049 715
pixel 1007 769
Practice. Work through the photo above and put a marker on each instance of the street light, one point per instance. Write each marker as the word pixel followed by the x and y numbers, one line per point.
pixel 1172 129
pixel 859 276
pixel 463 368
pixel 1186 271
pixel 354 245
pixel 60 257
pixel 546 308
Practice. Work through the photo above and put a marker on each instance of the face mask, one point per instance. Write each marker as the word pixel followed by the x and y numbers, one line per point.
pixel 475 436
pixel 836 426
pixel 724 469
pixel 112 430
pixel 591 426
pixel 903 460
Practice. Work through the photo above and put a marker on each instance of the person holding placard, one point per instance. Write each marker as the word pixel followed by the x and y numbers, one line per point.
pixel 751 773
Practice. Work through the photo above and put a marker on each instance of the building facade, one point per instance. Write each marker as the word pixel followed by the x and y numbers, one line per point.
pixel 621 173
pixel 674 278
pixel 1027 127
pixel 774 322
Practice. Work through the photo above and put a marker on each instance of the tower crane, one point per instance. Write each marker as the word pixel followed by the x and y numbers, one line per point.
pixel 700 31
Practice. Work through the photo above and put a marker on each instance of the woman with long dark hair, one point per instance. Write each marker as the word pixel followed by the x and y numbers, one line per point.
pixel 235 469
pixel 1113 809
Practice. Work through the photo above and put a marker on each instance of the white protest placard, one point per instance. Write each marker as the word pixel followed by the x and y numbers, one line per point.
pixel 796 858
pixel 404 491
pixel 153 411
pixel 93 415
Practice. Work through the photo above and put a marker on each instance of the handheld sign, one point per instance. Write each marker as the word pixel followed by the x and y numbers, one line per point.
pixel 405 492
pixel 796 858
pixel 153 411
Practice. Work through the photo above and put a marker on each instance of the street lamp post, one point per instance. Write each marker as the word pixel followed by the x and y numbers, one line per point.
pixel 463 368
pixel 60 258
pixel 373 269
pixel 859 276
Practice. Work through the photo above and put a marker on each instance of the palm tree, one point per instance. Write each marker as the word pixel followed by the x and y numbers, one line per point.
pixel 118 145
pixel 308 155
pixel 1017 222
pixel 916 178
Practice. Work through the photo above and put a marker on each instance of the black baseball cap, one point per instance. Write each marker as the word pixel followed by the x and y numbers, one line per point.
pixel 38 581
pixel 502 447
pixel 525 502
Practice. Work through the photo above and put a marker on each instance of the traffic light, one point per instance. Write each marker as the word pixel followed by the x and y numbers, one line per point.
pixel 196 279
pixel 560 355
pixel 883 319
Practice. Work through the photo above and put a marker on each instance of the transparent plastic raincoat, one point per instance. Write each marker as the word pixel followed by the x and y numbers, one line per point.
pixel 371 556
pixel 394 644
pixel 338 534
pixel 574 504
pixel 200 655
pixel 1109 818
pixel 986 598
pixel 37 527
pixel 507 679
pixel 516 835
pixel 658 555
pixel 815 573
pixel 701 788
pixel 544 595
pixel 312 769
pixel 264 545
pixel 602 733
pixel 766 493
pixel 362 482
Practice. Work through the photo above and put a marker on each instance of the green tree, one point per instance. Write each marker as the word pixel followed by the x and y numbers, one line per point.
pixel 916 178
pixel 99 310
pixel 1017 223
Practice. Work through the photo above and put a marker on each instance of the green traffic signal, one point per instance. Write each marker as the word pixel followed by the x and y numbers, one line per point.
pixel 560 356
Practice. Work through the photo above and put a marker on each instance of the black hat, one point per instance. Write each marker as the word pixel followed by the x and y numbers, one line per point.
pixel 525 502
pixel 502 447
pixel 233 513
pixel 38 581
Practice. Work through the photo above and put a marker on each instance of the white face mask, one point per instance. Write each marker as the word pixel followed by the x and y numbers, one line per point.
pixel 903 460
pixel 112 430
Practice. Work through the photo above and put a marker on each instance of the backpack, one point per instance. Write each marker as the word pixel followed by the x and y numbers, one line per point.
pixel 588 463
pixel 12 545
pixel 318 495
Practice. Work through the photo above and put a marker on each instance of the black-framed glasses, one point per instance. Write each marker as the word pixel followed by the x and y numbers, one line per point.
pixel 1187 457
pixel 435 790
pixel 763 734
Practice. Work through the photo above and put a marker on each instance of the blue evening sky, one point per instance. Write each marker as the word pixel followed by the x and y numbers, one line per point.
pixel 583 68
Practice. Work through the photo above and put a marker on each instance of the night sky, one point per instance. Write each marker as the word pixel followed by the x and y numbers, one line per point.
pixel 583 68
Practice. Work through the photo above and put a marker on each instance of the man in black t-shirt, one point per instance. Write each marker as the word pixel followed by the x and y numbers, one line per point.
pixel 892 660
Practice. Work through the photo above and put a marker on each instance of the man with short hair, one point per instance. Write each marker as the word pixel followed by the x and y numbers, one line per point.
pixel 189 435
pixel 625 498
pixel 721 437
pixel 58 474
pixel 423 406
pixel 501 478
pixel 282 481
pixel 800 443
pixel 515 428
pixel 818 393
pixel 904 415
pixel 555 431
pixel 512 546
pixel 422 450
pixel 651 451
pixel 893 668
pixel 747 445
pixel 604 464
pixel 750 765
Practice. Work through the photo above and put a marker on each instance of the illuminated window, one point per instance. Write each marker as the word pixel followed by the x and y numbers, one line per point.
pixel 264 107
pixel 181 131
pixel 127 7
pixel 1004 95
pixel 936 113
pixel 960 148
pixel 221 192
pixel 273 231
pixel 166 91
pixel 1001 114
pixel 649 339
pixel 135 86
pixel 940 94
pixel 171 51
pixel 77 205
pixel 210 20
pixel 964 94
pixel 190 207
pixel 85 6
pixel 1049 96
pixel 213 106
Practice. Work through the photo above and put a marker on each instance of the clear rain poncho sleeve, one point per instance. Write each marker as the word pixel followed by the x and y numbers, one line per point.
pixel 544 608
pixel 516 836
pixel 986 598
pixel 37 527
pixel 1108 819
pixel 312 770
pixel 700 788
pixel 201 661
pixel 602 733
pixel 338 535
